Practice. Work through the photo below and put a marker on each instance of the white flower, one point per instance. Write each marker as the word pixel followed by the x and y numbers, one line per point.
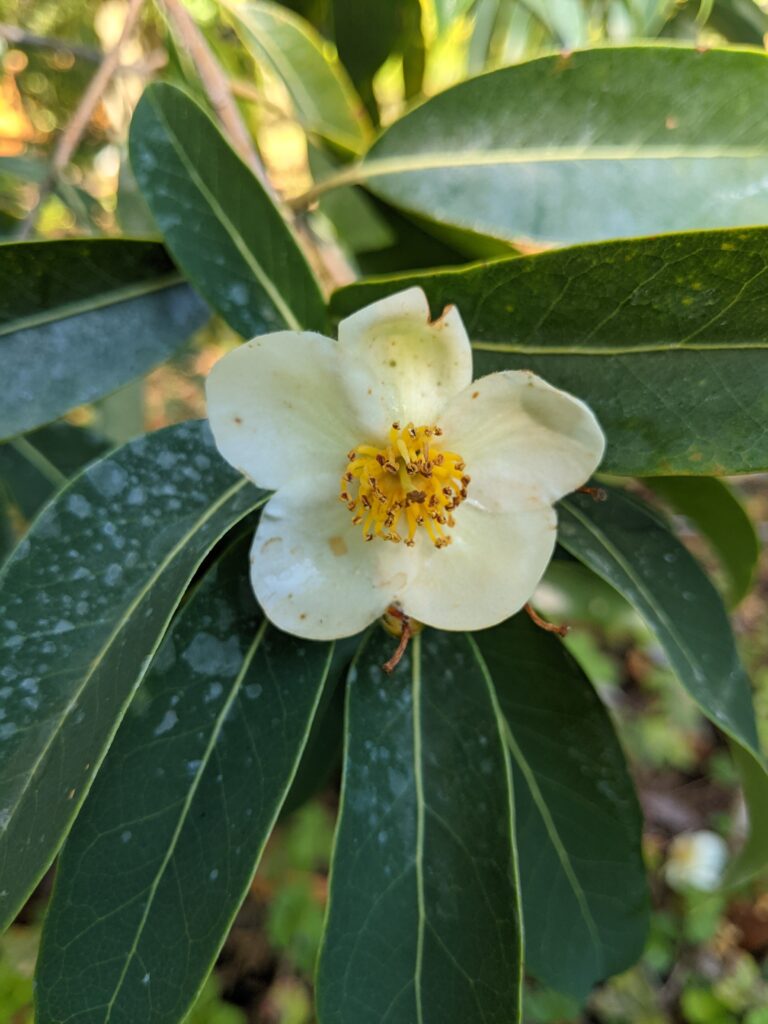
pixel 398 480
pixel 696 860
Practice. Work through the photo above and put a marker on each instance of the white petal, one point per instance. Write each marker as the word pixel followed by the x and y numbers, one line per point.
pixel 278 409
pixel 311 570
pixel 524 442
pixel 401 366
pixel 487 573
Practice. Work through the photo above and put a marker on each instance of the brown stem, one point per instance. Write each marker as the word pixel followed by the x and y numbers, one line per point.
pixel 216 85
pixel 405 637
pixel 72 135
pixel 548 627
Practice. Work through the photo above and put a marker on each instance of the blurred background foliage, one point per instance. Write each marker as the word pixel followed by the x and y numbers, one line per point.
pixel 706 961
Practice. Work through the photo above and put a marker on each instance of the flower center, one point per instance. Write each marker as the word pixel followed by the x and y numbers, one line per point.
pixel 408 484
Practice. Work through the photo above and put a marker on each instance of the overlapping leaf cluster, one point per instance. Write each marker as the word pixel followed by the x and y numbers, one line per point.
pixel 153 723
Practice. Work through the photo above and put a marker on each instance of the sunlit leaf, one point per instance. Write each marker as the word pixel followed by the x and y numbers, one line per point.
pixel 584 146
pixel 324 97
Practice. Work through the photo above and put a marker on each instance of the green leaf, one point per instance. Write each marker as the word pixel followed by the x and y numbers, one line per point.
pixel 165 847
pixel 561 149
pixel 321 91
pixel 447 11
pixel 578 823
pixel 631 548
pixel 33 467
pixel 219 223
pixel 79 318
pixel 423 923
pixel 664 338
pixel 717 513
pixel 323 750
pixel 84 601
pixel 367 32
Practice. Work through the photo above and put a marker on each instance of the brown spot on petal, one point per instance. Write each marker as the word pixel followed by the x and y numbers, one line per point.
pixel 238 420
pixel 338 546
pixel 475 394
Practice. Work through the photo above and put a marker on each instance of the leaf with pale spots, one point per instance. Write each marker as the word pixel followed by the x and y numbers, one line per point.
pixel 664 338
pixel 35 466
pixel 423 923
pixel 164 848
pixel 81 317
pixel 216 218
pixel 632 548
pixel 84 601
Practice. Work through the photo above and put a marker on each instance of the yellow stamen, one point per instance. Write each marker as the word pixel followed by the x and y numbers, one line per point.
pixel 411 479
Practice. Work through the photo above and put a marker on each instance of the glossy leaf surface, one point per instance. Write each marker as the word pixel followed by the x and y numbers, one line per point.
pixel 219 223
pixel 321 91
pixel 36 465
pixel 664 338
pixel 423 922
pixel 577 819
pixel 584 146
pixel 717 513
pixel 84 601
pixel 79 318
pixel 165 847
pixel 626 544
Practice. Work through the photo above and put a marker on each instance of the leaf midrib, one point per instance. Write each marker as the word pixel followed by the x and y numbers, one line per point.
pixel 612 350
pixel 106 647
pixel 384 167
pixel 418 779
pixel 542 807
pixel 242 247
pixel 659 613
pixel 111 297
pixel 184 811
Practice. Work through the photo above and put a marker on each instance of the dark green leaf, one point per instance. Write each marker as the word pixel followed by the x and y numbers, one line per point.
pixel 84 601
pixel 626 544
pixel 577 819
pixel 35 465
pixel 167 842
pixel 80 318
pixel 423 923
pixel 324 97
pixel 665 338
pixel 715 510
pixel 323 751
pixel 585 146
pixel 219 223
